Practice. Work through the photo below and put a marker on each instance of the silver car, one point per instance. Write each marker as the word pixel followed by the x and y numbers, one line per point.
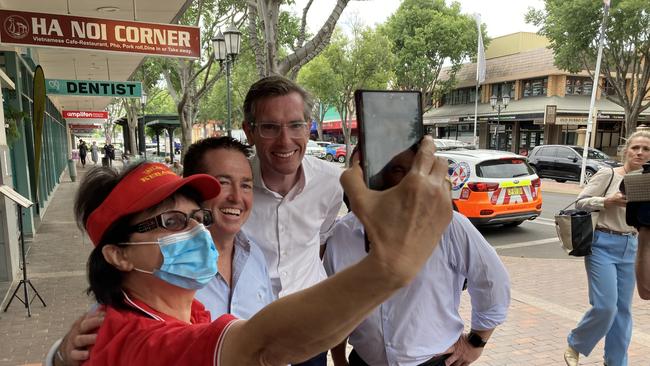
pixel 315 149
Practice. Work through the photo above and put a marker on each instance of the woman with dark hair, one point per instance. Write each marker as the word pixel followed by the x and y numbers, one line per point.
pixel 152 252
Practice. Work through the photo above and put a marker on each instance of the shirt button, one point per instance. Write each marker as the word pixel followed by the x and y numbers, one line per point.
pixel 284 273
pixel 260 295
pixel 283 253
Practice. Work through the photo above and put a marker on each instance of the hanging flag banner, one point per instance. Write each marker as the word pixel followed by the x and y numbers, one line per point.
pixel 85 114
pixel 56 30
pixel 94 88
pixel 480 73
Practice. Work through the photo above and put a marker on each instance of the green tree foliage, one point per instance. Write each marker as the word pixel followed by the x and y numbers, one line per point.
pixel 188 80
pixel 214 107
pixel 149 74
pixel 626 52
pixel 357 63
pixel 159 101
pixel 319 79
pixel 424 34
pixel 13 119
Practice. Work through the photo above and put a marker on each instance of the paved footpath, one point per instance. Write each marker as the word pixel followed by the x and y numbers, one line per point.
pixel 548 298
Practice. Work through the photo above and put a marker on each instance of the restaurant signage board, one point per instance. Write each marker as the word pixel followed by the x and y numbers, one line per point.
pixel 65 31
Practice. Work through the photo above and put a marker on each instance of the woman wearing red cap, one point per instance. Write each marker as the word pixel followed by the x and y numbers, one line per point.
pixel 152 252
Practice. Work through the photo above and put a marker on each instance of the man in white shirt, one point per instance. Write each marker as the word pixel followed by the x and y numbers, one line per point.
pixel 297 197
pixel 420 324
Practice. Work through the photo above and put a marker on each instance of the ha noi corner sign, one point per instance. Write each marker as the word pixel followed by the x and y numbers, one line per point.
pixel 55 30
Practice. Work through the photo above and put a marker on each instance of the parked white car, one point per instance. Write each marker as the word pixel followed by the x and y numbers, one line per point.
pixel 446 144
pixel 314 149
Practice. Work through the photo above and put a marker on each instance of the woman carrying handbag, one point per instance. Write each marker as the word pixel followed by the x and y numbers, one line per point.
pixel 610 267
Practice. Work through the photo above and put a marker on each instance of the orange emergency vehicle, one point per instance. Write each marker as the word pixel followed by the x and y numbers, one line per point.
pixel 493 187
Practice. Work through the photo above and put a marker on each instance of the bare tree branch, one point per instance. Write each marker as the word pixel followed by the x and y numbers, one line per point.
pixel 303 26
pixel 254 40
pixel 320 40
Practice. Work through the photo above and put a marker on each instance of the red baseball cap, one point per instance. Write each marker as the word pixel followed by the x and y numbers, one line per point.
pixel 144 187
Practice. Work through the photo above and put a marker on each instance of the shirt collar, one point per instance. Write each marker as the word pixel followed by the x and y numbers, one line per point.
pixel 303 178
pixel 242 242
pixel 198 313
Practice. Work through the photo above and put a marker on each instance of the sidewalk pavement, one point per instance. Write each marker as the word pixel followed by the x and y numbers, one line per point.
pixel 550 185
pixel 548 299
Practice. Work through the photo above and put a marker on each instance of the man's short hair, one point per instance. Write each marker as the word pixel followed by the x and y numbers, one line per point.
pixel 274 86
pixel 193 161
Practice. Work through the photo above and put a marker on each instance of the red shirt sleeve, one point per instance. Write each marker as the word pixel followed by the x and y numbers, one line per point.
pixel 133 338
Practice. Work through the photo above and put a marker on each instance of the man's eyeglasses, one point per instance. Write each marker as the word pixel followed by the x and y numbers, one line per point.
pixel 174 220
pixel 272 130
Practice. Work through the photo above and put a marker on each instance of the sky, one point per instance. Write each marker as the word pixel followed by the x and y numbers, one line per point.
pixel 501 16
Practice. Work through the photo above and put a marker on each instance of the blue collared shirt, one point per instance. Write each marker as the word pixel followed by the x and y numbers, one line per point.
pixel 422 319
pixel 251 285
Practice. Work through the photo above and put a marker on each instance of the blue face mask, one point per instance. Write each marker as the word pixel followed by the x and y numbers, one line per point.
pixel 189 258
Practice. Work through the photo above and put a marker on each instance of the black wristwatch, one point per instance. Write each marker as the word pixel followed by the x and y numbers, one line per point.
pixel 475 340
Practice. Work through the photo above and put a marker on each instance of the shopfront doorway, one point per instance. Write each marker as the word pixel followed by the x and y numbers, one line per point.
pixel 501 140
pixel 608 136
pixel 530 135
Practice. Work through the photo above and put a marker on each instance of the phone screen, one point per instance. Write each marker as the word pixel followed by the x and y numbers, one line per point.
pixel 390 128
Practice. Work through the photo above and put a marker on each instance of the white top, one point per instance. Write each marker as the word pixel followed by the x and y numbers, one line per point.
pixel 593 195
pixel 421 320
pixel 290 229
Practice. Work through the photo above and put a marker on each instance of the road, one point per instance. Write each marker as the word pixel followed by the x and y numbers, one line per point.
pixel 532 239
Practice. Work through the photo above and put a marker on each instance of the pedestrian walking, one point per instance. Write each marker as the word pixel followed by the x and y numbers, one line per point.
pixel 109 153
pixel 94 152
pixel 83 151
pixel 610 267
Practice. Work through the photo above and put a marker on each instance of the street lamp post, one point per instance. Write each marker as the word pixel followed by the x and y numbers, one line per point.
pixel 143 103
pixel 498 105
pixel 226 48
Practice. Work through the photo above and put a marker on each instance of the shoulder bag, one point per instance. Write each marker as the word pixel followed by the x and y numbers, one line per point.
pixel 575 228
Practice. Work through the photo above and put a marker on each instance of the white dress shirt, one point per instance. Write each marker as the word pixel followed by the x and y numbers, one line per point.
pixel 421 320
pixel 290 229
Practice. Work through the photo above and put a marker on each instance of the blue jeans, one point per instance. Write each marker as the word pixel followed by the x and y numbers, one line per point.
pixel 610 272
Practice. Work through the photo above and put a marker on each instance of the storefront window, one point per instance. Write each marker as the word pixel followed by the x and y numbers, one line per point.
pixel 534 87
pixel 578 85
pixel 507 88
pixel 530 135
pixel 462 132
pixel 608 136
pixel 504 135
pixel 569 135
pixel 608 89
pixel 460 96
